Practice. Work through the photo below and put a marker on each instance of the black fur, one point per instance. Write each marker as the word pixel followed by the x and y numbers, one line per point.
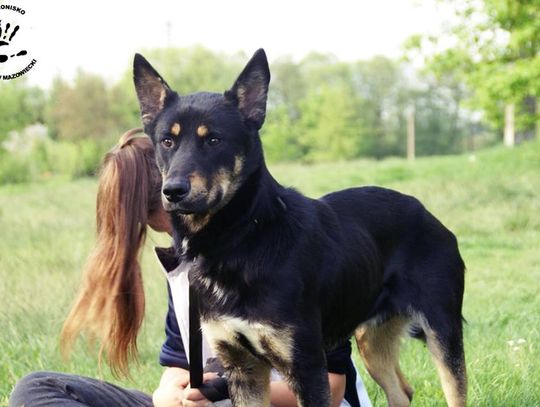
pixel 317 267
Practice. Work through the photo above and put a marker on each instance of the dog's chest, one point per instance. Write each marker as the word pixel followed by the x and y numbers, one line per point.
pixel 228 335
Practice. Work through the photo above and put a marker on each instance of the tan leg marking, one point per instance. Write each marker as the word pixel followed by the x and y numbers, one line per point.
pixel 454 386
pixel 379 348
pixel 405 386
pixel 249 376
pixel 252 388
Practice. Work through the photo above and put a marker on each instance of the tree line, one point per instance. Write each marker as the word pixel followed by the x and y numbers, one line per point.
pixel 320 108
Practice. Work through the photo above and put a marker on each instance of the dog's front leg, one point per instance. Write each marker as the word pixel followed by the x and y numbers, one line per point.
pixel 309 381
pixel 250 387
pixel 305 369
pixel 248 376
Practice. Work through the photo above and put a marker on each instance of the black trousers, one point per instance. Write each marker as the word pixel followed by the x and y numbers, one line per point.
pixel 44 389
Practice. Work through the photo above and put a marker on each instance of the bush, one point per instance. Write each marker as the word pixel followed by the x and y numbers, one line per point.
pixel 14 168
pixel 89 157
pixel 26 158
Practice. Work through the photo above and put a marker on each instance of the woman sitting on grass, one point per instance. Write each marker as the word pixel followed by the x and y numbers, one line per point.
pixel 110 306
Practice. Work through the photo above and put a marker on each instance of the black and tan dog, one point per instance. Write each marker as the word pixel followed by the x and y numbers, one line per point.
pixel 282 276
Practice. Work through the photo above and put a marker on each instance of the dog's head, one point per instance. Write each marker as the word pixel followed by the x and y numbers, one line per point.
pixel 206 144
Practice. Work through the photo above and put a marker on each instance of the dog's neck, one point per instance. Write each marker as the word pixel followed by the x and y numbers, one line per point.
pixel 257 202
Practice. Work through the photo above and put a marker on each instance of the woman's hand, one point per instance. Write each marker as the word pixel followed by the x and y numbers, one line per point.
pixel 172 385
pixel 193 397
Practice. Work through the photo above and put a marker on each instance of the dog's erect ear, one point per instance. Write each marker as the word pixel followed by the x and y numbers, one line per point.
pixel 250 90
pixel 151 89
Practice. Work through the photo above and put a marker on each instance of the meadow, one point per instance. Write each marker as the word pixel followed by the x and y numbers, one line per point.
pixel 491 200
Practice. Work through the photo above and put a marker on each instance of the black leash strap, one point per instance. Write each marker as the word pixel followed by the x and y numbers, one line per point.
pixel 195 340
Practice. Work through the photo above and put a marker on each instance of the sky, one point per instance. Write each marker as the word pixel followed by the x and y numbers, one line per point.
pixel 102 36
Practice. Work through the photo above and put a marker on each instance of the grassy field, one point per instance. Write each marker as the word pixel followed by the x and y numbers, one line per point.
pixel 491 201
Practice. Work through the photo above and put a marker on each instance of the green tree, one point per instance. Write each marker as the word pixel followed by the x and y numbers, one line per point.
pixel 280 136
pixel 288 86
pixel 328 128
pixel 20 106
pixel 379 85
pixel 89 109
pixel 495 52
pixel 312 112
pixel 440 126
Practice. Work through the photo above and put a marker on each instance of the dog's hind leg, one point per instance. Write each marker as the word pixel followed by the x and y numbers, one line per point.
pixel 379 348
pixel 407 388
pixel 445 342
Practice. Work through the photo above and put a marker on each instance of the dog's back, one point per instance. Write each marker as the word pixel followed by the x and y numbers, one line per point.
pixel 411 253
pixel 383 255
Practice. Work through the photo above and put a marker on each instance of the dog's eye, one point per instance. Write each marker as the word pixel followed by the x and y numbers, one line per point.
pixel 213 141
pixel 167 142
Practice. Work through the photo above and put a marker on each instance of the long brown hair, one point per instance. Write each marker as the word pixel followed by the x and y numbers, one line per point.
pixel 110 304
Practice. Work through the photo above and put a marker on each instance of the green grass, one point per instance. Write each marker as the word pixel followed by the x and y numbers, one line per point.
pixel 491 202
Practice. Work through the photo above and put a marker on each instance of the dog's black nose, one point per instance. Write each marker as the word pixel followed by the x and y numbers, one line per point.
pixel 175 191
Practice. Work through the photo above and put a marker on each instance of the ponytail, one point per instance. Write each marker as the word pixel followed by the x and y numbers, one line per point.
pixel 110 305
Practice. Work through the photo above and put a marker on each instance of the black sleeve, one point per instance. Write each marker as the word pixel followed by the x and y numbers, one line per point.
pixel 172 352
pixel 340 362
pixel 216 389
pixel 339 358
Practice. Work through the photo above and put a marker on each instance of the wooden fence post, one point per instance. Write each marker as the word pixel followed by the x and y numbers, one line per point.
pixel 410 135
pixel 537 125
pixel 509 126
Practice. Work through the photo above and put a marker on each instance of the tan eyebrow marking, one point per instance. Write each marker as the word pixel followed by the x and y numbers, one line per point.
pixel 175 129
pixel 202 130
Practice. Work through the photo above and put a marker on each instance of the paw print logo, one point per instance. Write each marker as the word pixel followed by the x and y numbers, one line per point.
pixel 7 34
